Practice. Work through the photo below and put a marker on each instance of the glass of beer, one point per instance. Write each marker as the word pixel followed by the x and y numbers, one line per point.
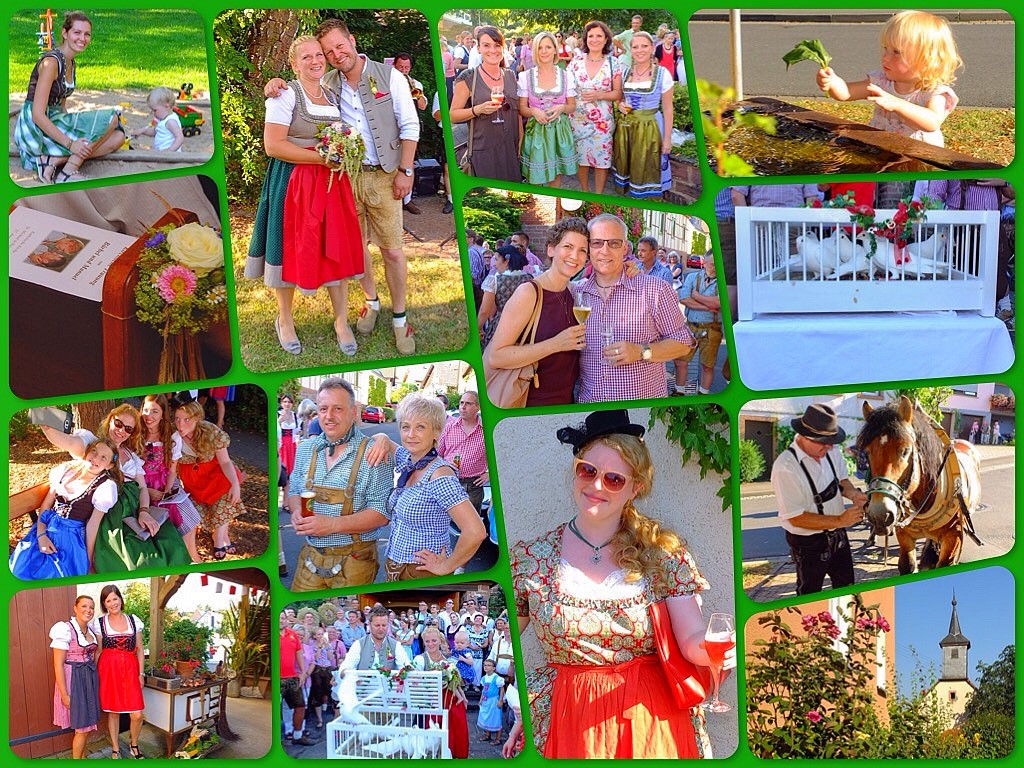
pixel 307 503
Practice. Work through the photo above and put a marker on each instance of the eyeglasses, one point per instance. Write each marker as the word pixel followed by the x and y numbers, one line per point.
pixel 614 243
pixel 588 473
pixel 118 424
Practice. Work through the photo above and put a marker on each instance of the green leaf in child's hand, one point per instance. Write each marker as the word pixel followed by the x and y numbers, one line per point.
pixel 808 50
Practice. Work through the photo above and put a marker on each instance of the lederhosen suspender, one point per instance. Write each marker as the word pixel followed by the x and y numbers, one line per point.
pixel 830 490
pixel 343 496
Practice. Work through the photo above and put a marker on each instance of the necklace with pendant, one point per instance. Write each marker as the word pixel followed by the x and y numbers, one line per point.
pixel 596 557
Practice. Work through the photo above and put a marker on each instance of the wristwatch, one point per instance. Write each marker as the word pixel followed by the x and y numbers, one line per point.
pixel 406 171
pixel 646 353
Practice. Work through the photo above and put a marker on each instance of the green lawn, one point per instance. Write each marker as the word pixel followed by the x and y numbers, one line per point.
pixel 437 311
pixel 129 49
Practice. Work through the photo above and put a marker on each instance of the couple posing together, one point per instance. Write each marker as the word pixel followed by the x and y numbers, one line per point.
pixel 312 231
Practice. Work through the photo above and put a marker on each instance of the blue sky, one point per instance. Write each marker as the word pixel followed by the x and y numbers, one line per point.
pixel 984 604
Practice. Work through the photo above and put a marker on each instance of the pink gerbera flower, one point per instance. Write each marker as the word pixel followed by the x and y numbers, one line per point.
pixel 174 282
pixel 814 716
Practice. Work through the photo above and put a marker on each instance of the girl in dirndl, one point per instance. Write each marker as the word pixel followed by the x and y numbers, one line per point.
pixel 76 701
pixel 643 133
pixel 547 96
pixel 120 663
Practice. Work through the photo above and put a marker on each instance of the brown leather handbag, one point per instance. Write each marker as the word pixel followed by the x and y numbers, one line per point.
pixel 509 387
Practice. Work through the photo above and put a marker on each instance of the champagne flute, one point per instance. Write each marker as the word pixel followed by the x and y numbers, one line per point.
pixel 498 98
pixel 607 332
pixel 718 640
pixel 581 308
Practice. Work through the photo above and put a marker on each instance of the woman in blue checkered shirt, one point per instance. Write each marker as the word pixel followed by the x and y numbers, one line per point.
pixel 426 500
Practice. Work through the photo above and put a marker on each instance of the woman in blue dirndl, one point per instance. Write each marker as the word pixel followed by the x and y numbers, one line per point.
pixel 62 540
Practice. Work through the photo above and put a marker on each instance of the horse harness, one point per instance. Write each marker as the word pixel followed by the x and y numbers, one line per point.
pixel 831 490
pixel 935 509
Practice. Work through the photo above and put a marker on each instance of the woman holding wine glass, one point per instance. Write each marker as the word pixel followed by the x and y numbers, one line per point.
pixel 485 96
pixel 560 335
pixel 592 588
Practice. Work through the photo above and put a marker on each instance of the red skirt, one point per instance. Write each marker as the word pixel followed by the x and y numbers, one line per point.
pixel 120 688
pixel 458 729
pixel 620 711
pixel 286 452
pixel 322 241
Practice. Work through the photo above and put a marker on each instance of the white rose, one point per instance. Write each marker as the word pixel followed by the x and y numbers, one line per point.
pixel 196 247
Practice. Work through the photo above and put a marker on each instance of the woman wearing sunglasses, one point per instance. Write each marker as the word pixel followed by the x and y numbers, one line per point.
pixel 118 546
pixel 587 587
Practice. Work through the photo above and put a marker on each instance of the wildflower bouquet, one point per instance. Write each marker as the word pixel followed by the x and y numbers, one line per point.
pixel 181 293
pixel 342 148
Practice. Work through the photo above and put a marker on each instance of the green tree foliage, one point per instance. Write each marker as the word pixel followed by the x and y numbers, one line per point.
pixel 931 399
pixel 251 47
pixel 682 116
pixel 136 601
pixel 751 461
pixel 491 215
pixel 702 431
pixel 377 394
pixel 402 390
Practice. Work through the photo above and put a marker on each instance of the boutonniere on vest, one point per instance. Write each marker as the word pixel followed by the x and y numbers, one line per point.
pixel 373 87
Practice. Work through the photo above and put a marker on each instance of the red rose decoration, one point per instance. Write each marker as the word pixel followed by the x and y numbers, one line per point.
pixel 816 203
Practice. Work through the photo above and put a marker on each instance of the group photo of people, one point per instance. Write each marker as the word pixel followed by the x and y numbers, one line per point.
pixel 462 633
pixel 70 128
pixel 143 668
pixel 142 483
pixel 333 258
pixel 593 302
pixel 565 99
pixel 601 542
pixel 384 477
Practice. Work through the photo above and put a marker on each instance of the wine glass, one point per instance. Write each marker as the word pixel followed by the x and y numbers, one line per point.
pixel 581 308
pixel 498 98
pixel 607 332
pixel 718 640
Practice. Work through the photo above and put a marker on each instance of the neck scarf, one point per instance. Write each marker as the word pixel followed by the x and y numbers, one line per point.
pixel 413 466
pixel 330 446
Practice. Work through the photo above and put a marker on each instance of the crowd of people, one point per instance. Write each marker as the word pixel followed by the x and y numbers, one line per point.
pixel 644 316
pixel 134 493
pixel 319 644
pixel 343 493
pixel 551 104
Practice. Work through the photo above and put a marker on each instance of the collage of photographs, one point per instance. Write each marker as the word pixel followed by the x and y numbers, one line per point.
pixel 566 383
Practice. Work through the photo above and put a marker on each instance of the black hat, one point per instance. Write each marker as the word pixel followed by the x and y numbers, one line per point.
pixel 819 424
pixel 596 425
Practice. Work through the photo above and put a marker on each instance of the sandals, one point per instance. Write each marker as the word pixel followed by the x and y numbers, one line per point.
pixel 61 176
pixel 115 755
pixel 219 553
pixel 44 162
pixel 135 752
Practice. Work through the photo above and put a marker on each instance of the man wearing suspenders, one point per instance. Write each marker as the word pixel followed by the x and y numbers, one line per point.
pixel 810 481
pixel 349 490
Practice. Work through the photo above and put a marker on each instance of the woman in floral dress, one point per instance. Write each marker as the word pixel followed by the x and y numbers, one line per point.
pixel 598 87
pixel 587 587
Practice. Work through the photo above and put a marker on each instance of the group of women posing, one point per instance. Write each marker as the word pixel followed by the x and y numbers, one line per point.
pixel 105 509
pixel 590 115
pixel 99 662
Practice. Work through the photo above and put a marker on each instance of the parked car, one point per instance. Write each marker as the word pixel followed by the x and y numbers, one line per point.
pixel 695 261
pixel 374 413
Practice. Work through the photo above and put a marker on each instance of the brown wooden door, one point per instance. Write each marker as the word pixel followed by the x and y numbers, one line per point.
pixel 31 613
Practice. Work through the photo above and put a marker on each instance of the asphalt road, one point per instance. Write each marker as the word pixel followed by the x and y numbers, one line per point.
pixel 484 558
pixel 986 80
pixel 762 537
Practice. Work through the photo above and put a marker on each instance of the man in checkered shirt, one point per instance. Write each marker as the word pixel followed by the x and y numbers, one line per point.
pixel 331 556
pixel 463 436
pixel 643 315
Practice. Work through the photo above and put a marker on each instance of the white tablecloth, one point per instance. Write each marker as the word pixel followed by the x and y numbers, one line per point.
pixel 802 350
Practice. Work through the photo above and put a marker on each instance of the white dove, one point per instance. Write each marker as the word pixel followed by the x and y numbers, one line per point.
pixel 934 248
pixel 817 256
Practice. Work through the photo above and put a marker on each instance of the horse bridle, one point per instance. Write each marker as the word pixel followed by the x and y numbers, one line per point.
pixel 897 489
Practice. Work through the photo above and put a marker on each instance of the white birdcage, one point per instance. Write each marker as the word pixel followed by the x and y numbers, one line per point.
pixel 815 260
pixel 397 720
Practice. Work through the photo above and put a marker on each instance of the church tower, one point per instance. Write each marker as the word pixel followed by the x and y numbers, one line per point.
pixel 954 688
pixel 954 650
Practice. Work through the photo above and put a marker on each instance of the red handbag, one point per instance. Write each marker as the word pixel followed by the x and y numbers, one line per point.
pixel 689 683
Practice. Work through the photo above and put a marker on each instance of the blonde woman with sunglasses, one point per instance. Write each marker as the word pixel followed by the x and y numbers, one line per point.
pixel 587 587
pixel 118 546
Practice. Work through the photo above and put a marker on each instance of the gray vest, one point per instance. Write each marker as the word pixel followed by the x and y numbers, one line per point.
pixel 380 113
pixel 367 653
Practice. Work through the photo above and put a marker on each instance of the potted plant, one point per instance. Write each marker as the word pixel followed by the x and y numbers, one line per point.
pixel 186 645
pixel 246 654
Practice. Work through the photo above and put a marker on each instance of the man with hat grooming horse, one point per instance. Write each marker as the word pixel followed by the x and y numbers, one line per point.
pixel 810 482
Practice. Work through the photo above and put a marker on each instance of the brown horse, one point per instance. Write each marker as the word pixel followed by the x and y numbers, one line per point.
pixel 920 482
